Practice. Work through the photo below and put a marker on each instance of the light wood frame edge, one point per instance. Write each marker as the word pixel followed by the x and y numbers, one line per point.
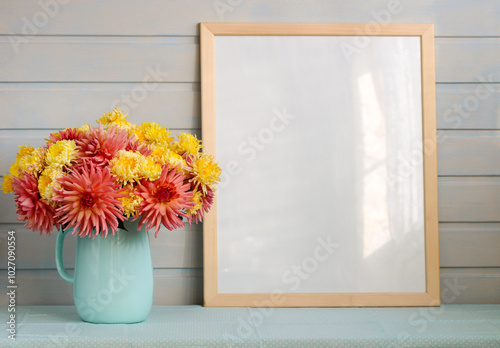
pixel 208 135
pixel 432 295
pixel 430 165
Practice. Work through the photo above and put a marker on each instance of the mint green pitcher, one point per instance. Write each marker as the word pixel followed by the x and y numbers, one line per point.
pixel 113 278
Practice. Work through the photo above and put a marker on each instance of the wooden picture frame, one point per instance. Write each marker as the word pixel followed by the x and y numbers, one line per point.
pixel 221 62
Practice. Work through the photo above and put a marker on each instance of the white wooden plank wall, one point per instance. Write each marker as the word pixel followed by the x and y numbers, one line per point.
pixel 65 62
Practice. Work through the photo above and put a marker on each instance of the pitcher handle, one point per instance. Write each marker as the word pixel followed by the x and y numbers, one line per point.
pixel 59 258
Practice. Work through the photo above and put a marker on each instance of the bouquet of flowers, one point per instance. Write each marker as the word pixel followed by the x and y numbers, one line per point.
pixel 92 178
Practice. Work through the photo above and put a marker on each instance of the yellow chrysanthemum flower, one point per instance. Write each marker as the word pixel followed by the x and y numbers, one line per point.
pixel 205 171
pixel 137 132
pixel 47 182
pixel 116 117
pixel 24 151
pixel 160 152
pixel 85 128
pixel 7 183
pixel 32 163
pixel 163 155
pixel 14 169
pixel 27 159
pixel 127 166
pixel 61 153
pixel 156 134
pixel 187 143
pixel 176 160
pixel 130 202
pixel 151 170
pixel 198 203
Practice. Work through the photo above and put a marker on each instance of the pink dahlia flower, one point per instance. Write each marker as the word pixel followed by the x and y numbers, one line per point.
pixel 100 145
pixel 139 146
pixel 39 216
pixel 67 134
pixel 89 201
pixel 164 200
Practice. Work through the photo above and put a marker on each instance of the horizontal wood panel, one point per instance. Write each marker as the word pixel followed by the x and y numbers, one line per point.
pixel 126 59
pixel 7 208
pixel 11 139
pixel 469 199
pixel 461 245
pixel 183 287
pixel 62 105
pixel 111 59
pixel 468 152
pixel 177 105
pixel 469 244
pixel 467 60
pixel 181 17
pixel 171 287
pixel 470 285
pixel 468 106
pixel 180 248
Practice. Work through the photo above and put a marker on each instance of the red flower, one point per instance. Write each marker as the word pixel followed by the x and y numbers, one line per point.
pixel 164 200
pixel 38 215
pixel 100 145
pixel 67 134
pixel 136 145
pixel 89 201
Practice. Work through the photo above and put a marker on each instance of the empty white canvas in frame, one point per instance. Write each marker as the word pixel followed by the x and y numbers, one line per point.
pixel 321 145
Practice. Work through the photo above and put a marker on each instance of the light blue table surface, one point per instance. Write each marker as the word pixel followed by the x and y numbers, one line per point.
pixel 196 326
